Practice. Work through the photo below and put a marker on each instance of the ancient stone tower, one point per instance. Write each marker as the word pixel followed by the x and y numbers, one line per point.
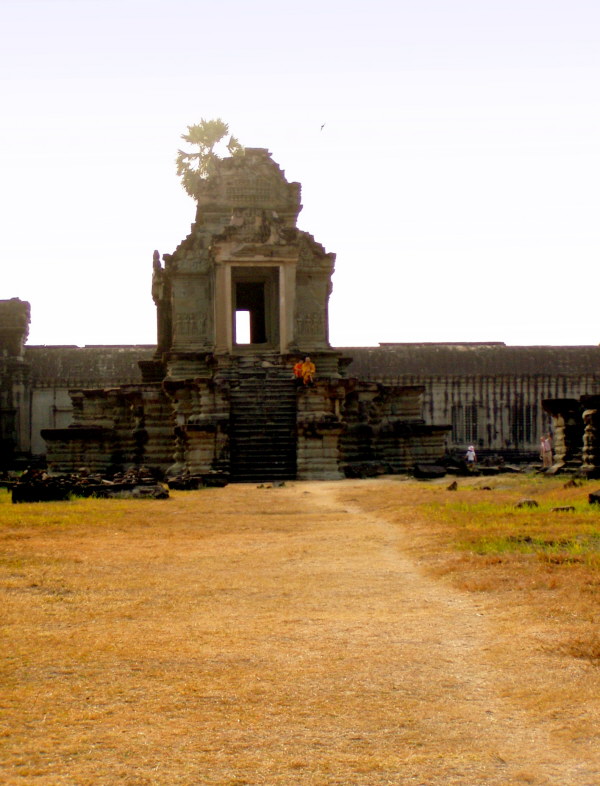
pixel 243 258
pixel 239 302
pixel 244 266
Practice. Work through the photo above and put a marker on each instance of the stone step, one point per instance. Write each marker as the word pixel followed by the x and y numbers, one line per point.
pixel 264 471
pixel 271 408
pixel 247 411
pixel 263 425
pixel 256 401
pixel 262 388
pixel 251 445
pixel 250 449
pixel 271 401
pixel 262 391
pixel 253 454
pixel 262 420
pixel 264 457
pixel 262 428
pixel 284 375
pixel 251 416
pixel 257 426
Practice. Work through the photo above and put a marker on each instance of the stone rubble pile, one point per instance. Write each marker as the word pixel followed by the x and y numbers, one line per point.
pixel 36 485
pixel 188 482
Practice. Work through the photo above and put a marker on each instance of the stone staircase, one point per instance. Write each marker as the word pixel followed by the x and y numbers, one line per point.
pixel 263 425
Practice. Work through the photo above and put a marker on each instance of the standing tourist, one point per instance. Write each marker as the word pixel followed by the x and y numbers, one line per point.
pixel 546 451
pixel 471 456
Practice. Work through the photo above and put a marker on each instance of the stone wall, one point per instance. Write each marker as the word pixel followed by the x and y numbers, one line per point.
pixel 14 381
pixel 501 413
pixel 51 407
pixel 56 370
pixel 384 426
pixel 201 412
pixel 114 429
pixel 490 394
pixel 319 426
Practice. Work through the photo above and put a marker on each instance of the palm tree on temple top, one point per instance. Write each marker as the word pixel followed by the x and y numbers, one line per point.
pixel 199 165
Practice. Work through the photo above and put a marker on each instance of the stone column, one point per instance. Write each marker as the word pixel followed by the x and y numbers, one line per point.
pixel 591 436
pixel 567 429
pixel 223 309
pixel 287 300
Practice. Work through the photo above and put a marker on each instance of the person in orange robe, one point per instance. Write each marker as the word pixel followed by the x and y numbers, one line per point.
pixel 308 371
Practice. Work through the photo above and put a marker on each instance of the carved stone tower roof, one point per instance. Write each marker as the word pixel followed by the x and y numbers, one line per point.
pixel 251 180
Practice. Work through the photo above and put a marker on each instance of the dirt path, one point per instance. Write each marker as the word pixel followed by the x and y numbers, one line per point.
pixel 271 637
pixel 436 675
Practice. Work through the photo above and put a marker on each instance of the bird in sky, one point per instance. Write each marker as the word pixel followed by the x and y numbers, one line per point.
pixel 323 126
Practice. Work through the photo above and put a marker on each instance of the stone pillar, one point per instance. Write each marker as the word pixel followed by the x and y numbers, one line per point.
pixel 287 300
pixel 591 436
pixel 223 310
pixel 567 429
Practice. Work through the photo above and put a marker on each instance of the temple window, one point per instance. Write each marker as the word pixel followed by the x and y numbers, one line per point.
pixel 255 299
pixel 522 430
pixel 464 423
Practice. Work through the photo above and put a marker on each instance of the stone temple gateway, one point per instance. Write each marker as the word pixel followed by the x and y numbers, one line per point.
pixel 239 302
pixel 244 254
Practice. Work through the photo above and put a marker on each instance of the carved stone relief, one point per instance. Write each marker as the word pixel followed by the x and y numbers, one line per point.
pixel 249 191
pixel 188 325
pixel 310 325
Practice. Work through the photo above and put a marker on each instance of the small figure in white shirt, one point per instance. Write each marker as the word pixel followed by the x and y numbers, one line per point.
pixel 471 456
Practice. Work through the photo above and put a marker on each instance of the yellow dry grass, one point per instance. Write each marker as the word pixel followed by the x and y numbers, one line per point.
pixel 321 633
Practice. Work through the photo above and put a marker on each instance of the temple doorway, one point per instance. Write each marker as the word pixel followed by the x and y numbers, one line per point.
pixel 255 298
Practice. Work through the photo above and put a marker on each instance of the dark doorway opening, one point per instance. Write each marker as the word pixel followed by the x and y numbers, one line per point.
pixel 250 297
pixel 256 306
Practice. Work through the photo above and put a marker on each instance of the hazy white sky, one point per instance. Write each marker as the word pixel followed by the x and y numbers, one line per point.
pixel 457 177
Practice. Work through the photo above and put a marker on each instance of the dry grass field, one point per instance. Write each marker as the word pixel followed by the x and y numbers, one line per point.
pixel 361 632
